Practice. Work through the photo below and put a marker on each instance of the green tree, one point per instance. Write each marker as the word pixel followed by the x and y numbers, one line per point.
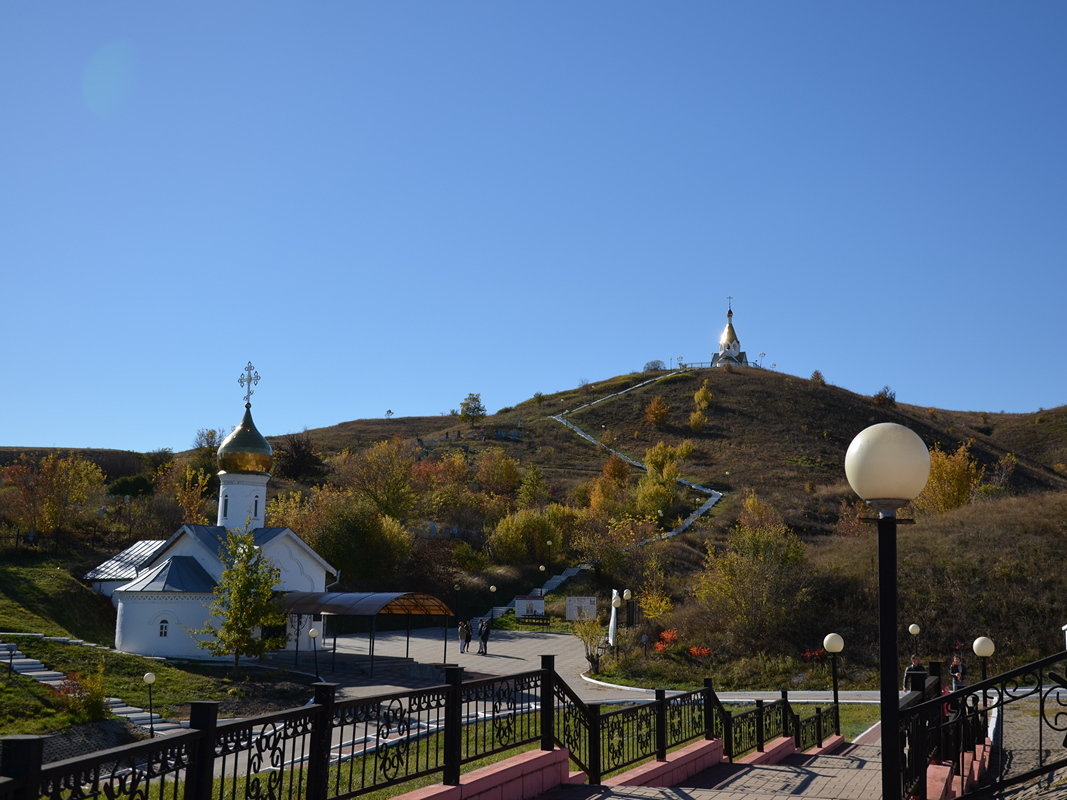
pixel 497 472
pixel 243 603
pixel 657 490
pixel 364 544
pixel 471 410
pixel 533 491
pixel 751 589
pixel 521 537
pixel 383 475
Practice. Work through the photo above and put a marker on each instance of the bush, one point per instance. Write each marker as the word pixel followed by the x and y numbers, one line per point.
pixel 885 397
pixel 131 486
pixel 817 379
pixel 468 559
pixel 654 366
pixel 84 695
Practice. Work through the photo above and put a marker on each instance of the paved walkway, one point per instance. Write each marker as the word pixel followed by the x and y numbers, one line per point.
pixel 854 773
pixel 509 652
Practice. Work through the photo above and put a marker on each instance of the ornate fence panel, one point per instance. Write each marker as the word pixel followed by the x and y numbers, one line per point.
pixel 686 718
pixel 153 770
pixel 388 739
pixel 744 727
pixel 499 714
pixel 628 735
pixel 774 721
pixel 573 725
pixel 263 756
pixel 811 731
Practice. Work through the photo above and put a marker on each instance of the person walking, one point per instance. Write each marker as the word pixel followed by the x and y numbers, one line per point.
pixel 914 668
pixel 483 637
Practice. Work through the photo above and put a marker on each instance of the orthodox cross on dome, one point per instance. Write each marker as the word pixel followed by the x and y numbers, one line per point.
pixel 730 302
pixel 250 378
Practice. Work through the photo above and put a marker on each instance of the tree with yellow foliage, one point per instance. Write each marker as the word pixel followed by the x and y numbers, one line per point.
pixel 953 479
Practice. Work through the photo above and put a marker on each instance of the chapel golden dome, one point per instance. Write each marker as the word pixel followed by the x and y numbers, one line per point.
pixel 729 336
pixel 245 449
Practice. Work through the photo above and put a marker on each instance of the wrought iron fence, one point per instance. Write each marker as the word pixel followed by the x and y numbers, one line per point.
pixel 1021 715
pixel 330 749
pixel 812 731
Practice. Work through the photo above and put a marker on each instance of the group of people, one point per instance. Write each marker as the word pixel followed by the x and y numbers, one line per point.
pixel 956 670
pixel 466 633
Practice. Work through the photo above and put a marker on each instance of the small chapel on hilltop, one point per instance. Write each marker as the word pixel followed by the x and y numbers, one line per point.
pixel 163 588
pixel 730 352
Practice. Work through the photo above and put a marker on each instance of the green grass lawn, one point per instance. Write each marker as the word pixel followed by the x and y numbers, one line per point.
pixel 250 691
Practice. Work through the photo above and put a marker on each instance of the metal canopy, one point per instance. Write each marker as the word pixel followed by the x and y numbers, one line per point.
pixel 363 604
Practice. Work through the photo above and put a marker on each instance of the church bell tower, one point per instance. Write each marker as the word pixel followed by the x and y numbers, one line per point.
pixel 244 468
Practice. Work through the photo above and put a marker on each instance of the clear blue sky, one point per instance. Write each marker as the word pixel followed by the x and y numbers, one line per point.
pixel 389 205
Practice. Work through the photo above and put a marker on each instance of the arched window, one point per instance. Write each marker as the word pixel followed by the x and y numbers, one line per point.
pixel 225 506
pixel 163 628
pixel 255 506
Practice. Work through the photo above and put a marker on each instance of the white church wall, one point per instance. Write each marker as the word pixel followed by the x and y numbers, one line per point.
pixel 159 624
pixel 300 572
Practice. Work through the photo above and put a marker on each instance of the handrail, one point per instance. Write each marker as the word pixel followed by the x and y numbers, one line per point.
pixel 332 749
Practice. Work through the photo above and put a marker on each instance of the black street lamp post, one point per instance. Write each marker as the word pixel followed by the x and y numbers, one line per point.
pixel 833 644
pixel 314 634
pixel 149 679
pixel 888 465
pixel 983 648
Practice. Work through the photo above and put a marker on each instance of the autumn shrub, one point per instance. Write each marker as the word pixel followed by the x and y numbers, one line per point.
pixel 84 695
pixel 656 412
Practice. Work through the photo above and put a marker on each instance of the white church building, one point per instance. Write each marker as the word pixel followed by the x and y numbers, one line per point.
pixel 730 352
pixel 163 589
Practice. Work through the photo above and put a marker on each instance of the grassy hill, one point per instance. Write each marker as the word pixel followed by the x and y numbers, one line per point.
pixel 783 436
pixel 979 570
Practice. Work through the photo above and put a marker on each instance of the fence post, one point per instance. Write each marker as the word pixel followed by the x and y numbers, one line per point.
pixel 727 732
pixel 203 718
pixel 321 741
pixel 21 758
pixel 819 725
pixel 661 725
pixel 709 710
pixel 548 702
pixel 453 725
pixel 759 726
pixel 594 743
pixel 787 718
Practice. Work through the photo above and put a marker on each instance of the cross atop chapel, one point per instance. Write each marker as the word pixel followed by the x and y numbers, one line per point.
pixel 250 378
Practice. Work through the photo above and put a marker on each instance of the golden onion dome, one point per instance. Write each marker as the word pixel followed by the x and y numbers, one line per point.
pixel 729 336
pixel 245 449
